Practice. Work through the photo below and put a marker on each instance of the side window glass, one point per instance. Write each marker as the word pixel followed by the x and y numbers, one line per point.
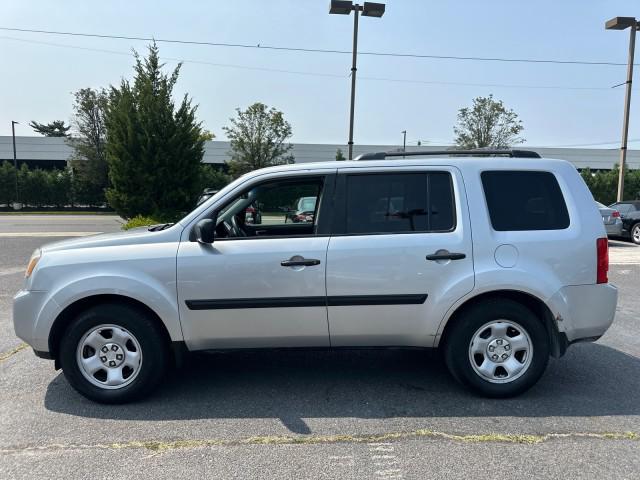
pixel 280 208
pixel 524 200
pixel 623 208
pixel 399 203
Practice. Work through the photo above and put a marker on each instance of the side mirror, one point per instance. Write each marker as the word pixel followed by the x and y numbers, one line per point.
pixel 205 231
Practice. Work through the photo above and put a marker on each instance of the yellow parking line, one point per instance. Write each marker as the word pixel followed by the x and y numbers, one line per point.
pixel 5 355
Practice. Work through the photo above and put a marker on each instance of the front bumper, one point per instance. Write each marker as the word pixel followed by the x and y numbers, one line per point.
pixel 585 311
pixel 28 306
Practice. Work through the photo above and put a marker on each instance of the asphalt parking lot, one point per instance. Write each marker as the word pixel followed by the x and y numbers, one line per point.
pixel 363 414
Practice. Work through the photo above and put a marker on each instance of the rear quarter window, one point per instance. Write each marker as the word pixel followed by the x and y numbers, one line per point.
pixel 524 200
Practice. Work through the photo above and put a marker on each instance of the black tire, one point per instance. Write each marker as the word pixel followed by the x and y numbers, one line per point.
pixel 634 232
pixel 153 347
pixel 459 337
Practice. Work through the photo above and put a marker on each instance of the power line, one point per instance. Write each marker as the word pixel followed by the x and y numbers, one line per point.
pixel 173 59
pixel 497 85
pixel 322 74
pixel 316 50
pixel 631 140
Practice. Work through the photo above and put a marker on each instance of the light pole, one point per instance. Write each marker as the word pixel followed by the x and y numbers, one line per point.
pixel 15 159
pixel 622 23
pixel 404 141
pixel 368 9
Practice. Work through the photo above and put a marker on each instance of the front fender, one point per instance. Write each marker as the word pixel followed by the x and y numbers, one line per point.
pixel 146 290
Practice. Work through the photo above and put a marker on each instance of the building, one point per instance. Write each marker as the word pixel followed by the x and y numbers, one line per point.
pixel 52 152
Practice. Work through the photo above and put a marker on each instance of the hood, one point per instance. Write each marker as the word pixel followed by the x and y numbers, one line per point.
pixel 129 237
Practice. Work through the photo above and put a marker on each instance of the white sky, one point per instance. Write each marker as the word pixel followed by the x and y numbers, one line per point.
pixel 37 78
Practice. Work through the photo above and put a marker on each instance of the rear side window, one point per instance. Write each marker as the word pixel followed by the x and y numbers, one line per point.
pixel 623 208
pixel 521 200
pixel 399 203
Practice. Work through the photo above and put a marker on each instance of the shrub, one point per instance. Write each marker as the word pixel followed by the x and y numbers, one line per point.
pixel 139 221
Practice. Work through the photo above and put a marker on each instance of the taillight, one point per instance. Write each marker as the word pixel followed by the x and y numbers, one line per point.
pixel 615 214
pixel 602 246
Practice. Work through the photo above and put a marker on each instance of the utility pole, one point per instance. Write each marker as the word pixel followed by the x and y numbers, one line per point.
pixel 404 141
pixel 15 158
pixel 354 69
pixel 622 23
pixel 368 9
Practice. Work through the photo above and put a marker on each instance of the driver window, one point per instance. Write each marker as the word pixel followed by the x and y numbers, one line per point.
pixel 278 208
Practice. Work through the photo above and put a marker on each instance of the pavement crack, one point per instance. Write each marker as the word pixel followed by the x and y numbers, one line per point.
pixel 163 446
pixel 10 353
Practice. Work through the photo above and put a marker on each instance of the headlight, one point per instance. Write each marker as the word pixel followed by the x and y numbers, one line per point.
pixel 33 261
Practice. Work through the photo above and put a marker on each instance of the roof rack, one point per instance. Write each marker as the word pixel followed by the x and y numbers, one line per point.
pixel 420 153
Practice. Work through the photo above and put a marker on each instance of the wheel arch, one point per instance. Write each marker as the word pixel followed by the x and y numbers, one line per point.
pixel 557 340
pixel 66 316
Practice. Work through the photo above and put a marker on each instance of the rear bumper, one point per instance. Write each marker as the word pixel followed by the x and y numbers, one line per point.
pixel 585 312
pixel 614 230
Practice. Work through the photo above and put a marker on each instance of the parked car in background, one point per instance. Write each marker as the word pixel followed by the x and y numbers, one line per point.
pixel 304 210
pixel 611 219
pixel 253 214
pixel 630 215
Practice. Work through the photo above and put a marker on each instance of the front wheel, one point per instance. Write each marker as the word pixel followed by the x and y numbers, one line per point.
pixel 498 348
pixel 113 354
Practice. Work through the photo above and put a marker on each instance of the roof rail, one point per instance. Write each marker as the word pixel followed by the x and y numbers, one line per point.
pixel 478 151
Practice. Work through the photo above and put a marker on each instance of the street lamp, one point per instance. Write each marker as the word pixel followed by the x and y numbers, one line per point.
pixel 368 9
pixel 622 23
pixel 15 160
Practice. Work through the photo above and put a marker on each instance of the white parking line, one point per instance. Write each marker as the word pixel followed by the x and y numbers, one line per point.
pixel 46 234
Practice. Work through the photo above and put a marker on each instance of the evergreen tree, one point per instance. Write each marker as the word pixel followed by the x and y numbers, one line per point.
pixel 154 148
pixel 57 128
pixel 7 183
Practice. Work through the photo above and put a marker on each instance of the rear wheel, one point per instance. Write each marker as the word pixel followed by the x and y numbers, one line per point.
pixel 498 348
pixel 113 354
pixel 635 233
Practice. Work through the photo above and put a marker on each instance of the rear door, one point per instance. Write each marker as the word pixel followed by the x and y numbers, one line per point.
pixel 399 257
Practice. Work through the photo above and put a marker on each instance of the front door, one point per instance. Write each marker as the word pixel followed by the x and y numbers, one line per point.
pixel 401 256
pixel 261 283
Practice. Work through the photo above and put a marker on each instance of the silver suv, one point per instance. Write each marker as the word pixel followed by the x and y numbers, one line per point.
pixel 499 262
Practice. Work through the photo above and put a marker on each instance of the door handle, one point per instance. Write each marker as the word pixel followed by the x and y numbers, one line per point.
pixel 445 255
pixel 305 262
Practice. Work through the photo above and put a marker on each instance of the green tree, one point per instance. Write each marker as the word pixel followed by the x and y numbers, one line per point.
pixel 154 148
pixel 258 135
pixel 89 161
pixel 7 183
pixel 340 155
pixel 487 124
pixel 57 128
pixel 60 187
pixel 211 177
pixel 604 184
pixel 207 135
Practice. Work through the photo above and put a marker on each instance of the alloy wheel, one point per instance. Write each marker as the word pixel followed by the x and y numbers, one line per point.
pixel 109 356
pixel 500 351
